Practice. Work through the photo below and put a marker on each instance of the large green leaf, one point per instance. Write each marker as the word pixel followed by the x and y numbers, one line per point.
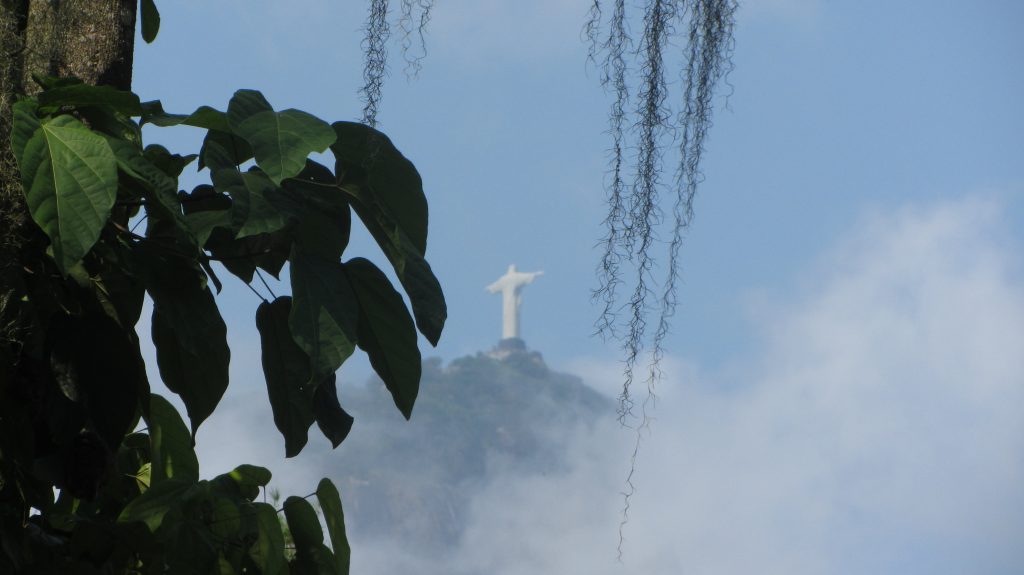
pixel 222 150
pixel 204 117
pixel 322 219
pixel 281 141
pixel 119 292
pixel 205 209
pixel 303 522
pixel 153 505
pixel 368 158
pixel 334 517
pixel 159 189
pixel 287 371
pixel 150 18
pixel 170 444
pixel 267 552
pixel 311 555
pixel 190 546
pixel 24 126
pixel 413 271
pixel 87 95
pixel 170 164
pixel 325 312
pixel 244 481
pixel 334 422
pixel 252 212
pixel 242 256
pixel 69 175
pixel 386 332
pixel 209 214
pixel 111 122
pixel 188 332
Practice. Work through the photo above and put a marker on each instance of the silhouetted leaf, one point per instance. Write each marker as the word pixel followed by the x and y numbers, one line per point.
pixel 223 150
pixel 188 332
pixel 386 332
pixel 153 505
pixel 206 209
pixel 96 363
pixel 170 444
pixel 242 256
pixel 159 189
pixel 267 552
pixel 150 18
pixel 418 280
pixel 244 481
pixel 83 95
pixel 334 422
pixel 69 175
pixel 251 209
pixel 287 371
pixel 368 158
pixel 320 212
pixel 204 117
pixel 170 164
pixel 311 555
pixel 281 141
pixel 325 312
pixel 334 517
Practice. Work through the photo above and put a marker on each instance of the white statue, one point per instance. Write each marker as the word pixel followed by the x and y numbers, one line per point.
pixel 511 286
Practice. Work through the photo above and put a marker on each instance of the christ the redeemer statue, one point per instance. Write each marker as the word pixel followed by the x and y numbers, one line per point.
pixel 511 286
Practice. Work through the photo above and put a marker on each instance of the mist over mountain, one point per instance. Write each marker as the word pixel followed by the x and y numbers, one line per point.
pixel 502 411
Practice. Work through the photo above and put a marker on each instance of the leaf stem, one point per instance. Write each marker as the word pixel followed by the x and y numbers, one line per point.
pixel 265 284
pixel 258 294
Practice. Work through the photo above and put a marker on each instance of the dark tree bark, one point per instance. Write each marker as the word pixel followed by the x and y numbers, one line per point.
pixel 93 40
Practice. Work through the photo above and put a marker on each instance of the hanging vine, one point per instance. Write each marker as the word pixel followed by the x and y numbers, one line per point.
pixel 655 124
pixel 414 15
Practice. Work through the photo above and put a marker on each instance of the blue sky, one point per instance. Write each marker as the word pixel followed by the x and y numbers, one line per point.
pixel 835 110
pixel 852 299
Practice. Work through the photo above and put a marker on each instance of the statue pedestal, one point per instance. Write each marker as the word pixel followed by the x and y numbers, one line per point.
pixel 508 347
pixel 513 351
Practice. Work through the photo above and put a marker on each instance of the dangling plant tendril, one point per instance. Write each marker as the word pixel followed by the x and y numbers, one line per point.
pixel 655 128
pixel 414 15
pixel 613 77
pixel 642 134
pixel 375 48
pixel 413 28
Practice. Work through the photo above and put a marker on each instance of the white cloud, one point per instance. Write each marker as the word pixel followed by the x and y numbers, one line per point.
pixel 879 430
pixel 878 427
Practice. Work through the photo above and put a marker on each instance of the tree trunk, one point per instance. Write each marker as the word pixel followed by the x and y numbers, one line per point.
pixel 92 40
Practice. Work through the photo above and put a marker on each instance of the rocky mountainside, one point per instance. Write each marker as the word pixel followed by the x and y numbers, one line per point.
pixel 502 410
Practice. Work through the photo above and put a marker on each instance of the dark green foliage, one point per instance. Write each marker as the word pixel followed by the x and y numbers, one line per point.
pixel 375 176
pixel 287 371
pixel 150 20
pixel 73 384
pixel 330 502
pixel 331 418
pixel 170 445
pixel 386 332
